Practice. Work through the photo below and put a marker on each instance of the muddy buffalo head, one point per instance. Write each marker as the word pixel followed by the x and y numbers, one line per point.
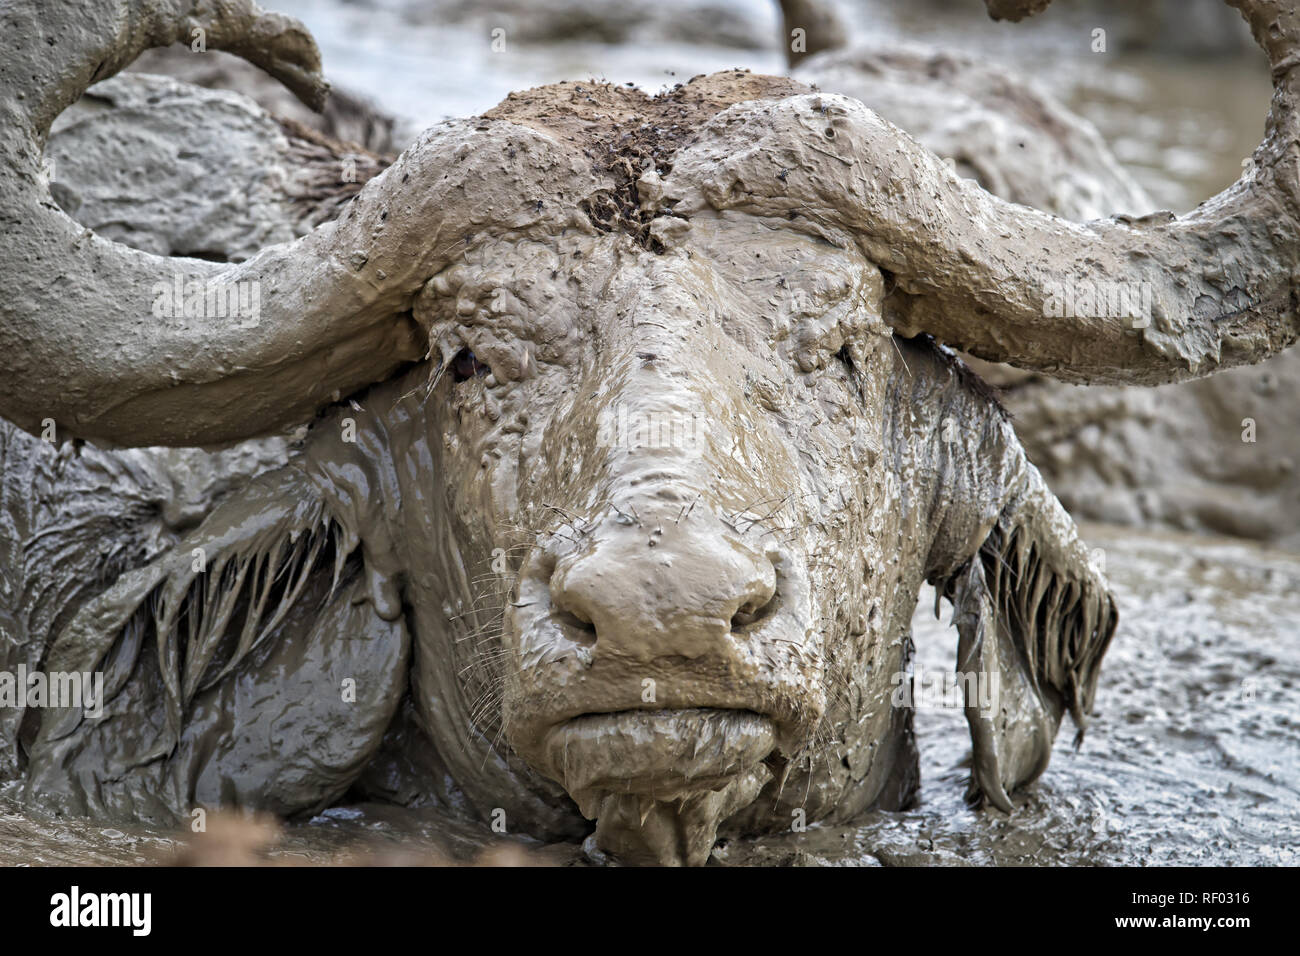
pixel 659 506
pixel 673 458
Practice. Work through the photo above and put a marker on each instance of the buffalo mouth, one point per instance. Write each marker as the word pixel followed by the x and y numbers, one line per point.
pixel 660 754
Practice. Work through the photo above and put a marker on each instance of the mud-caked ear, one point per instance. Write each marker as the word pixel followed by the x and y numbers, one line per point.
pixel 1034 618
pixel 238 572
pixel 258 622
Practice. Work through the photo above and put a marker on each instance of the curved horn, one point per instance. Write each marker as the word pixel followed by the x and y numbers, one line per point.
pixel 81 341
pixel 1212 289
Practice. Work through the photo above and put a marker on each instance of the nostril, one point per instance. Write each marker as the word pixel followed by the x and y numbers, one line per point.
pixel 569 610
pixel 465 365
pixel 751 613
pixel 575 626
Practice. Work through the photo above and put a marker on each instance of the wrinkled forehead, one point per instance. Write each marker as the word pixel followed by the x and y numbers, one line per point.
pixel 759 277
pixel 756 280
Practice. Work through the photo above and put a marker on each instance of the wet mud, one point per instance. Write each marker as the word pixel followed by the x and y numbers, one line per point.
pixel 1194 711
pixel 1192 756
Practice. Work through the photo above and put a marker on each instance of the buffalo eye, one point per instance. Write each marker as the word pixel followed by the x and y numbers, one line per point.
pixel 465 366
pixel 846 359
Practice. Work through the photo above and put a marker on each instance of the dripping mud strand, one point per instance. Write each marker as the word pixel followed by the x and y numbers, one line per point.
pixel 207 605
pixel 1062 620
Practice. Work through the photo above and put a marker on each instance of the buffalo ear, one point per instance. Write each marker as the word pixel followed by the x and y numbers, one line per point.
pixel 270 682
pixel 206 603
pixel 1033 620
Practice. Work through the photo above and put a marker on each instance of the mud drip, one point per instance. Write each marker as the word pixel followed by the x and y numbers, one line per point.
pixel 639 830
pixel 672 813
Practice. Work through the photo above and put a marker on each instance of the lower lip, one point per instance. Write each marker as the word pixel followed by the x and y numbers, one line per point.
pixel 662 753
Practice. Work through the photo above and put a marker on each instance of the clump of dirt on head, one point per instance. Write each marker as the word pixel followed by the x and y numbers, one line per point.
pixel 625 132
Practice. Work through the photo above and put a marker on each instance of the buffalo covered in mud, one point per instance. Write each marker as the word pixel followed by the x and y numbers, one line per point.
pixel 635 429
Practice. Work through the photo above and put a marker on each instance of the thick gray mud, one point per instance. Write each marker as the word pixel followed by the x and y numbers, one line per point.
pixel 1192 756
